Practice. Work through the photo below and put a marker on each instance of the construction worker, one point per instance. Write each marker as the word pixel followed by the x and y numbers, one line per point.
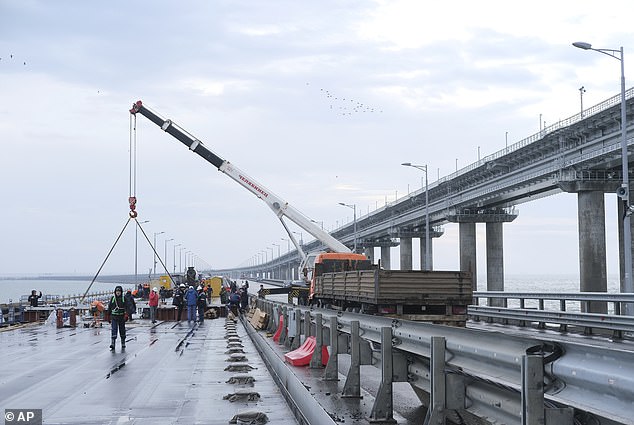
pixel 153 303
pixel 116 306
pixel 201 303
pixel 179 301
pixel 33 298
pixel 191 297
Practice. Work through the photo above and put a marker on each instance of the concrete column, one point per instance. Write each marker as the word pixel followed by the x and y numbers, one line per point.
pixel 369 252
pixel 385 257
pixel 620 226
pixel 406 253
pixel 592 254
pixel 495 260
pixel 468 250
pixel 423 259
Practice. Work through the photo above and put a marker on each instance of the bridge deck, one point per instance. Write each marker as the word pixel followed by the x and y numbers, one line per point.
pixel 72 376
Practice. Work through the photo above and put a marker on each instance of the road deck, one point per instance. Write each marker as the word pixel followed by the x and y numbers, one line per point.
pixel 170 373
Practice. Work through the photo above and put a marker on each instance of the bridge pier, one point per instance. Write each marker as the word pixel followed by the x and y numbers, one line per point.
pixel 494 219
pixel 406 253
pixel 592 250
pixel 495 260
pixel 423 257
pixel 385 257
pixel 369 252
pixel 467 234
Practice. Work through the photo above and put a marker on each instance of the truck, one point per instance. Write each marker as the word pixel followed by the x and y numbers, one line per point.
pixel 330 273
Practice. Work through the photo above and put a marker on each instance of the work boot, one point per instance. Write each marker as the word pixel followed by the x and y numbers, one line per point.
pixel 112 343
pixel 123 342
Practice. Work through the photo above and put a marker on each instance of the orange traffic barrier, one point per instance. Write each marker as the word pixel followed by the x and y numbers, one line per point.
pixel 278 332
pixel 302 356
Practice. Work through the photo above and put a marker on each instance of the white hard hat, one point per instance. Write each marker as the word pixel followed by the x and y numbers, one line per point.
pixel 199 287
pixel 155 289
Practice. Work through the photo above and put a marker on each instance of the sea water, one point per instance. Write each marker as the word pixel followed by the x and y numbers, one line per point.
pixel 12 289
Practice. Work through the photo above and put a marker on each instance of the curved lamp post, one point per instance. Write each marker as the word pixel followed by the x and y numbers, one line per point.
pixel 624 193
pixel 354 209
pixel 423 168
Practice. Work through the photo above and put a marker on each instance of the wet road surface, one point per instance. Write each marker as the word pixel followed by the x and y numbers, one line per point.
pixel 170 373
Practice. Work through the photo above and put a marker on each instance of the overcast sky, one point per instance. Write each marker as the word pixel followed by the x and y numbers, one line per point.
pixel 256 82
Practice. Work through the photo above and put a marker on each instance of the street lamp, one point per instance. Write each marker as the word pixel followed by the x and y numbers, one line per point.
pixel 625 189
pixel 321 223
pixel 354 209
pixel 301 237
pixel 427 241
pixel 288 244
pixel 582 90
pixel 165 256
pixel 180 258
pixel 174 256
pixel 136 232
pixel 155 235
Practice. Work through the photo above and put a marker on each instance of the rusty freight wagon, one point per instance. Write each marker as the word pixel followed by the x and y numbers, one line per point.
pixel 431 296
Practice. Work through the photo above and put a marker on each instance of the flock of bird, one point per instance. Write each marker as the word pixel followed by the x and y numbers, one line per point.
pixel 11 57
pixel 346 106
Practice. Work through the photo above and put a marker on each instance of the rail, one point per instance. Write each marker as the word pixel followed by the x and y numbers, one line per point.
pixel 57 300
pixel 578 309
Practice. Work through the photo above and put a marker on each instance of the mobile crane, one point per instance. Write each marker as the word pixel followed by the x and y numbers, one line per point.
pixel 342 279
pixel 340 259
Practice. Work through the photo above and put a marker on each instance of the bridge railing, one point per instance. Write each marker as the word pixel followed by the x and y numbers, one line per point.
pixel 563 309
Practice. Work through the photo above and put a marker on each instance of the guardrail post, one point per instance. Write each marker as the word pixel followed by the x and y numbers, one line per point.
pixel 292 333
pixel 274 318
pixel 532 390
pixel 332 368
pixel 315 360
pixel 307 324
pixel 383 407
pixel 352 387
pixel 284 334
pixel 562 307
pixel 436 411
pixel 298 325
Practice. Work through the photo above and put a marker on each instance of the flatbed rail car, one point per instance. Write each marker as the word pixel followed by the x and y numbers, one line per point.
pixel 431 296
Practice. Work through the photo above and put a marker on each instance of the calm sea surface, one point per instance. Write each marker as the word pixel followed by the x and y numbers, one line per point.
pixel 12 289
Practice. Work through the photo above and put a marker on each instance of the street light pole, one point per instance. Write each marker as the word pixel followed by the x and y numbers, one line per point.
pixel 155 235
pixel 180 258
pixel 582 90
pixel 288 244
pixel 174 256
pixel 427 238
pixel 628 287
pixel 354 226
pixel 165 255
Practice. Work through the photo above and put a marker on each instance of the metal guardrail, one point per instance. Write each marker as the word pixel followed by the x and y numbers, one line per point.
pixel 65 300
pixel 553 308
pixel 472 373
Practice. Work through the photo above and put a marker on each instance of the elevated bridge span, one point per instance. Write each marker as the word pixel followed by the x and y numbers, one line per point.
pixel 581 154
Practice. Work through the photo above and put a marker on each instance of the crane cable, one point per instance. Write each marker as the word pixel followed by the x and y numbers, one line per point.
pixel 131 199
pixel 132 185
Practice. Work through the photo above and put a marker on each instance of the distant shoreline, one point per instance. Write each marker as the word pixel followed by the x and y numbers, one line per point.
pixel 105 279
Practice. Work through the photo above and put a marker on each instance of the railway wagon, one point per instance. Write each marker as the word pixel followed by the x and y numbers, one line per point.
pixel 431 296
